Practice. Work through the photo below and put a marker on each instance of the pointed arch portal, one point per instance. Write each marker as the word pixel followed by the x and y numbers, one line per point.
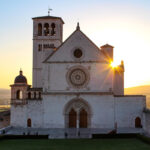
pixel 77 114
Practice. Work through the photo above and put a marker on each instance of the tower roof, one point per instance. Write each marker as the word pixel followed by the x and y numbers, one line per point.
pixel 48 17
pixel 20 78
pixel 106 45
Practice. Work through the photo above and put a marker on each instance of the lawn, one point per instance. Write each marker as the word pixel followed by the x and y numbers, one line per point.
pixel 81 144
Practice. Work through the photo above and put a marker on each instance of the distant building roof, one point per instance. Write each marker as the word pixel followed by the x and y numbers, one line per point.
pixel 48 17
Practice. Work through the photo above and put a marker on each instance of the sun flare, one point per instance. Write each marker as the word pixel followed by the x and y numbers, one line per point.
pixel 113 64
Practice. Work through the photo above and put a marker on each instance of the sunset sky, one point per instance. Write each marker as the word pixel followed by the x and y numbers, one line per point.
pixel 123 24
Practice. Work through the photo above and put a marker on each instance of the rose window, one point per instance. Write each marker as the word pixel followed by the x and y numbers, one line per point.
pixel 77 77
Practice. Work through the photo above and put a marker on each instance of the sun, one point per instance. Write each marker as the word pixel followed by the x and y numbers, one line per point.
pixel 113 64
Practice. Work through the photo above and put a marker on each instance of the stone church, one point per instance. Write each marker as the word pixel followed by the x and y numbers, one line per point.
pixel 75 88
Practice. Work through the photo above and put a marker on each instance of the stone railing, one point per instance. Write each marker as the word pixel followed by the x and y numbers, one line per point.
pixel 34 94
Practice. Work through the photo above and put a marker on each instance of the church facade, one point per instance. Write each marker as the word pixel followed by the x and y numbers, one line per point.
pixel 74 87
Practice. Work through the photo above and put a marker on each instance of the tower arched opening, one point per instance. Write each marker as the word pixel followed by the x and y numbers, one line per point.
pixel 46 29
pixel 53 32
pixel 19 94
pixel 39 29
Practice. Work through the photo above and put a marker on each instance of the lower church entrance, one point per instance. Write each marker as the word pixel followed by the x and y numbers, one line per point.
pixel 81 116
pixel 77 114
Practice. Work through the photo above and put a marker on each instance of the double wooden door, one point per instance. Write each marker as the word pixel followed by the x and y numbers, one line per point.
pixel 83 119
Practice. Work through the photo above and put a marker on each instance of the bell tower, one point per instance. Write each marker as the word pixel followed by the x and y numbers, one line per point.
pixel 47 36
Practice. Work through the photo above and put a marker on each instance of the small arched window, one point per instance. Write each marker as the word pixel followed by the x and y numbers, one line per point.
pixel 39 29
pixel 46 29
pixel 19 94
pixel 138 122
pixel 39 95
pixel 29 123
pixel 34 95
pixel 29 95
pixel 53 29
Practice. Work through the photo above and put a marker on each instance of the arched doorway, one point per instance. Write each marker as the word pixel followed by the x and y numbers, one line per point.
pixel 77 113
pixel 138 122
pixel 72 118
pixel 29 123
pixel 83 122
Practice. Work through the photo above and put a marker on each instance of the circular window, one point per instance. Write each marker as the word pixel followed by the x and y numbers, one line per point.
pixel 78 53
pixel 78 77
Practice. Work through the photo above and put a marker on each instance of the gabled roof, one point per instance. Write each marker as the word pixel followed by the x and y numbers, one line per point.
pixel 48 17
pixel 78 29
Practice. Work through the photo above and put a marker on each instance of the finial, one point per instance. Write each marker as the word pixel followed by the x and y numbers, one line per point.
pixel 78 26
pixel 20 71
pixel 49 9
pixel 122 62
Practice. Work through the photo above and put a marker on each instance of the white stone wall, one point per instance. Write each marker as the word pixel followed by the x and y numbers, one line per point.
pixel 147 122
pixel 40 56
pixel 102 109
pixel 55 78
pixel 105 111
pixel 118 81
pixel 33 110
pixel 127 108
pixel 77 40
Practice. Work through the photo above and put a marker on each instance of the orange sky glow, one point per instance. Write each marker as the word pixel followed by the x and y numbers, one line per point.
pixel 124 25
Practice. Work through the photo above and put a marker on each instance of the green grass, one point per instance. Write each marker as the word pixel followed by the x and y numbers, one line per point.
pixel 81 144
pixel 2 110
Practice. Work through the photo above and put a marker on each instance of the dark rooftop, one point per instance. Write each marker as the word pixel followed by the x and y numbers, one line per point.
pixel 106 45
pixel 20 78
